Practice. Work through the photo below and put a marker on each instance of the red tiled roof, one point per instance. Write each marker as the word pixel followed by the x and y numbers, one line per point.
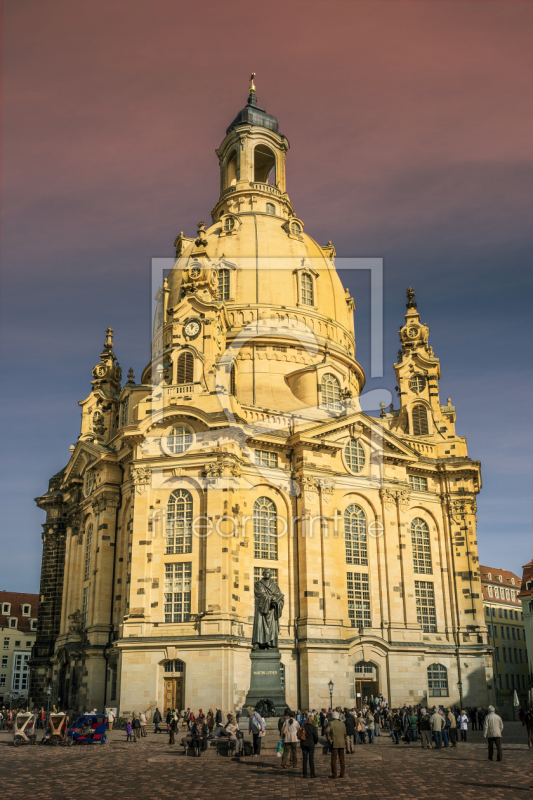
pixel 494 582
pixel 527 576
pixel 17 600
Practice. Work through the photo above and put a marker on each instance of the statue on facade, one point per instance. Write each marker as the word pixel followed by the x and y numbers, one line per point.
pixel 268 607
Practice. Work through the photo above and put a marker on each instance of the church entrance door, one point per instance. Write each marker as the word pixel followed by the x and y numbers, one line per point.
pixel 365 688
pixel 174 693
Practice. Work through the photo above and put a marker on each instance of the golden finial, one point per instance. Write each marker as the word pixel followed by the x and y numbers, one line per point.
pixel 252 87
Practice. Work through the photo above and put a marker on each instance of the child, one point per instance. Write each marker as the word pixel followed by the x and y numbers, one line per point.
pixel 129 732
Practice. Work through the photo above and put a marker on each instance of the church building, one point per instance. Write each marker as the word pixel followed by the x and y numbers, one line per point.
pixel 244 446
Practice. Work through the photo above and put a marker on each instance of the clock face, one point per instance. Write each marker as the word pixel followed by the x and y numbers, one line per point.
pixel 192 328
pixel 101 370
pixel 413 332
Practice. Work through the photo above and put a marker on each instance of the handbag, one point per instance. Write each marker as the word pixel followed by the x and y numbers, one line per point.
pixel 300 733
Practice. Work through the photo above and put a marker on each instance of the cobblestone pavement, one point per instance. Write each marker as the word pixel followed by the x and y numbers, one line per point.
pixel 152 769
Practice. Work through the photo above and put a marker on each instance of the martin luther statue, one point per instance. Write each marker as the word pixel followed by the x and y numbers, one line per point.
pixel 268 607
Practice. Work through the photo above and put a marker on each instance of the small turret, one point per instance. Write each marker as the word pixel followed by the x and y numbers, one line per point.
pixel 99 410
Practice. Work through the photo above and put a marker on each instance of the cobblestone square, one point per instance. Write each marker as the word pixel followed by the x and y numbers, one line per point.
pixel 153 769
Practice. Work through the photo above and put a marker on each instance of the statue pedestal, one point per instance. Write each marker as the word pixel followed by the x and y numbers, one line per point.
pixel 265 681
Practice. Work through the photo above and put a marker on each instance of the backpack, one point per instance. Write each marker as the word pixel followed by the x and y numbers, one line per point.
pixel 300 733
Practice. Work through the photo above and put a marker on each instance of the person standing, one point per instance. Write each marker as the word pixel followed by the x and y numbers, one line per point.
pixel 492 731
pixel 110 719
pixel 377 722
pixel 129 731
pixel 142 720
pixel 336 736
pixel 349 724
pixel 218 717
pixel 308 736
pixel 425 729
pixel 451 724
pixel 210 720
pixel 370 726
pixel 290 740
pixel 413 721
pixel 395 727
pixel 473 717
pixel 136 725
pixel 528 722
pixel 157 720
pixel 463 722
pixel 323 721
pixel 437 723
pixel 256 728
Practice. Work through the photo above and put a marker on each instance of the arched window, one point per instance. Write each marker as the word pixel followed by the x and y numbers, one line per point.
pixel 223 283
pixel 264 165
pixel 437 681
pixel 88 552
pixel 421 548
pixel 420 420
pixel 229 224
pixel 125 411
pixel 175 666
pixel 179 522
pixel 331 392
pixel 355 536
pixel 270 208
pixel 265 529
pixel 90 479
pixel 231 170
pixel 295 229
pixel 179 439
pixel 185 368
pixel 306 289
pixel 355 455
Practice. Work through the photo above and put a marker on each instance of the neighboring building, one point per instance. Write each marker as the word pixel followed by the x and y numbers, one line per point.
pixel 526 599
pixel 505 626
pixel 180 488
pixel 18 629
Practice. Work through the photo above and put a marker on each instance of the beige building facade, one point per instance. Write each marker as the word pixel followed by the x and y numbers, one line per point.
pixel 18 630
pixel 245 446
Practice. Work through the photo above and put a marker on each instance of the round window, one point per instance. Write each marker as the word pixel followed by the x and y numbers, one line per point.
pixel 355 455
pixel 195 272
pixel 178 439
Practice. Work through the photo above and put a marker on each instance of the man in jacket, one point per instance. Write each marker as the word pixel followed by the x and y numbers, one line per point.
pixel 451 724
pixel 425 729
pixel 336 736
pixel 492 731
pixel 290 740
pixel 218 717
pixel 157 720
pixel 349 724
pixel 437 723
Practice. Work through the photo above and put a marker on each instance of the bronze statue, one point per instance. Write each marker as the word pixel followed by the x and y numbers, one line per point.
pixel 268 607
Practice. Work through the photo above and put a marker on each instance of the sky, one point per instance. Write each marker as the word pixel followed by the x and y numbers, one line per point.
pixel 410 130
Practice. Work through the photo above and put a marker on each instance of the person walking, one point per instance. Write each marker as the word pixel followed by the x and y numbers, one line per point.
pixel 451 726
pixel 308 736
pixel 290 740
pixel 256 727
pixel 336 736
pixel 492 731
pixel 463 722
pixel 437 723
pixel 425 729
pixel 157 720
pixel 349 724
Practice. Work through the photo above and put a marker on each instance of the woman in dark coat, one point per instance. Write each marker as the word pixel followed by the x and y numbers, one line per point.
pixel 199 733
pixel 308 744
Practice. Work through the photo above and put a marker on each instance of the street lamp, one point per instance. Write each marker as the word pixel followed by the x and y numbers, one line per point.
pixel 460 687
pixel 330 687
pixel 48 693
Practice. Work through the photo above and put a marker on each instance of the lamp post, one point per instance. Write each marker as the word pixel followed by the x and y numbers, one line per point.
pixel 330 687
pixel 460 687
pixel 48 693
